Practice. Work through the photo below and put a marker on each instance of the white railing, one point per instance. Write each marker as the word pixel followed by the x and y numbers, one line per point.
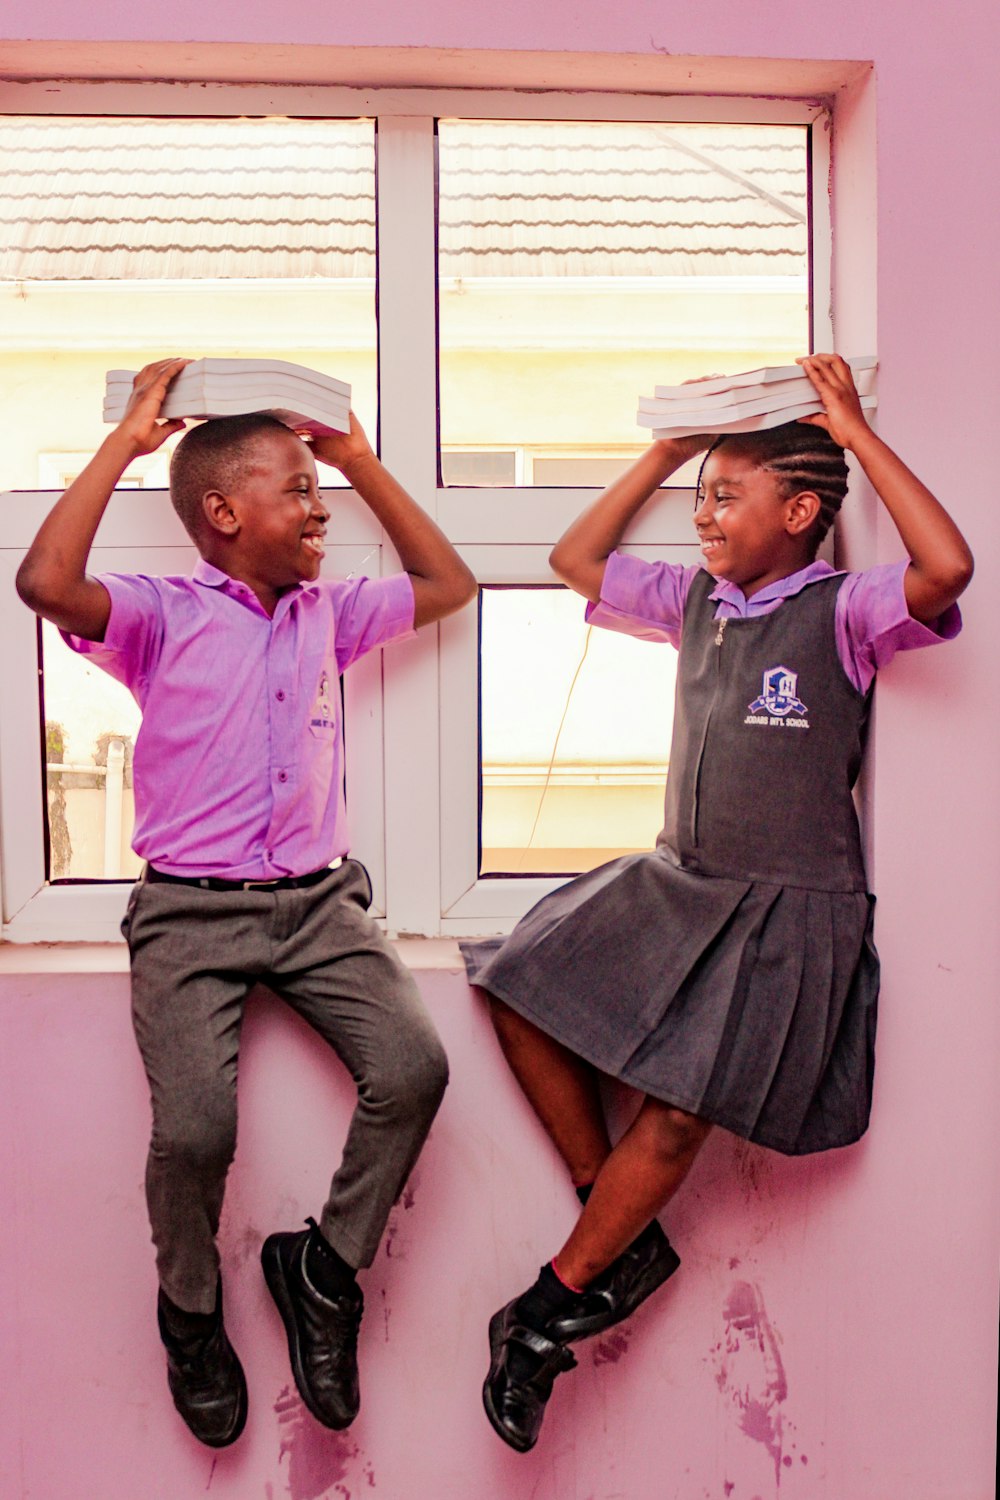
pixel 114 788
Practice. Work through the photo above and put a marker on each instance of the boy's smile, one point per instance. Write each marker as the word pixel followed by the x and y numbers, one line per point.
pixel 277 519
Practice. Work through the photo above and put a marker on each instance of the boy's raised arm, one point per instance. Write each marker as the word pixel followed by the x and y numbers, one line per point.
pixel 441 581
pixel 940 560
pixel 580 555
pixel 52 580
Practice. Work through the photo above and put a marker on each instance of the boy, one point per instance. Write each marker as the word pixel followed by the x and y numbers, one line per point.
pixel 240 817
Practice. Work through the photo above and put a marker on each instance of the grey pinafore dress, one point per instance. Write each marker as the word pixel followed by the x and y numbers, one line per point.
pixel 731 970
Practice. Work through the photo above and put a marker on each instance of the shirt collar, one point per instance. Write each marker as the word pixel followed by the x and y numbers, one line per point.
pixel 214 578
pixel 782 588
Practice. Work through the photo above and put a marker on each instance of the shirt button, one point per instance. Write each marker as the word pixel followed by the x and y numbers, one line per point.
pixel 282 775
pixel 280 695
pixel 269 856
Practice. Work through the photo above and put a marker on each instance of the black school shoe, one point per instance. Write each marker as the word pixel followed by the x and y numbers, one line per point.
pixel 617 1292
pixel 515 1404
pixel 322 1331
pixel 205 1376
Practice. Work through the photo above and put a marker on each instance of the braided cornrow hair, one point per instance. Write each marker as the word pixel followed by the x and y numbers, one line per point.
pixel 801 457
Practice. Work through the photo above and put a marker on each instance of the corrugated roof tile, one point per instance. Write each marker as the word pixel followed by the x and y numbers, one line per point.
pixel 154 199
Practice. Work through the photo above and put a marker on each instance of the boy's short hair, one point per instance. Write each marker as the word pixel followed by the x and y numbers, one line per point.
pixel 215 455
pixel 801 457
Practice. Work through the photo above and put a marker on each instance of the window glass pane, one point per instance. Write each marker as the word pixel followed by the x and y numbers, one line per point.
pixel 575 732
pixel 583 264
pixel 124 240
pixel 478 468
pixel 91 723
pixel 578 471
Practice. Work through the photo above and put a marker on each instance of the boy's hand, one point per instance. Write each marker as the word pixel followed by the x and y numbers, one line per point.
pixel 341 450
pixel 843 417
pixel 141 424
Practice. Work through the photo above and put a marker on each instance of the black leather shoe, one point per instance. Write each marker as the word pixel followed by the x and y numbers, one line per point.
pixel 205 1377
pixel 618 1291
pixel 322 1332
pixel 515 1405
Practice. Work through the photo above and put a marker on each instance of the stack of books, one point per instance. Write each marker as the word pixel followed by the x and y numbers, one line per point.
pixel 301 398
pixel 744 403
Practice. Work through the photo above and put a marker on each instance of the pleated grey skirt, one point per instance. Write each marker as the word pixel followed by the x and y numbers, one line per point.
pixel 750 1005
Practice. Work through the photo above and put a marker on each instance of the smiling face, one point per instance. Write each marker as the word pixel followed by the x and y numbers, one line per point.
pixel 274 520
pixel 751 532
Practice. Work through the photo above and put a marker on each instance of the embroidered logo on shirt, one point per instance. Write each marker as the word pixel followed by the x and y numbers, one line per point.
pixel 322 709
pixel 778 705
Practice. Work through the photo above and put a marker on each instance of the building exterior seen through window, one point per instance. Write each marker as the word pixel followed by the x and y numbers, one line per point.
pixel 91 724
pixel 575 732
pixel 583 263
pixel 142 238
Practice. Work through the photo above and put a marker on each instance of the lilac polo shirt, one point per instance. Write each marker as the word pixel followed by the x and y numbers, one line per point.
pixel 871 620
pixel 239 763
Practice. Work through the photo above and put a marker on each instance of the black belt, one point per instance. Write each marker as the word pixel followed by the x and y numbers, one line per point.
pixel 213 883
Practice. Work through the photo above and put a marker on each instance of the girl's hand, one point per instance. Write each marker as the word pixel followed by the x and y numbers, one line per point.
pixel 843 417
pixel 141 424
pixel 341 450
pixel 686 448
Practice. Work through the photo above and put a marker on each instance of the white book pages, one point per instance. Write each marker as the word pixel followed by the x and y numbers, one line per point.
pixel 304 416
pixel 213 388
pixel 791 392
pixel 184 402
pixel 301 398
pixel 751 424
pixel 724 416
pixel 229 368
pixel 767 375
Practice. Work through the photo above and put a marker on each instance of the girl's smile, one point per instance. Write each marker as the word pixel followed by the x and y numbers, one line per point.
pixel 749 533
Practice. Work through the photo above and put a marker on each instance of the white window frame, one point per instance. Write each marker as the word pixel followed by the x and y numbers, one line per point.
pixel 411 718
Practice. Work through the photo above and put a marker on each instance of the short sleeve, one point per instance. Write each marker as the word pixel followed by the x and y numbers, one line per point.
pixel 370 612
pixel 873 622
pixel 642 599
pixel 134 637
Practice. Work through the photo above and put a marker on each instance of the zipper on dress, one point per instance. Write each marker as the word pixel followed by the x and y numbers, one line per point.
pixel 719 637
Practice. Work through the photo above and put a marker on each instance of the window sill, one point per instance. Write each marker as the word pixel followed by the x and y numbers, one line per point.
pixel 439 954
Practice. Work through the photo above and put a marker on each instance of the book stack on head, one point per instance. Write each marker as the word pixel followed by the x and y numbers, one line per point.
pixel 744 403
pixel 301 398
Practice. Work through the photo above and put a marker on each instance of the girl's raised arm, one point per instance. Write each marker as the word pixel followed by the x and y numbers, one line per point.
pixel 580 555
pixel 940 560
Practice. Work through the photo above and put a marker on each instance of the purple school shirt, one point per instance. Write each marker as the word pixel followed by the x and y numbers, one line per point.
pixel 871 620
pixel 239 763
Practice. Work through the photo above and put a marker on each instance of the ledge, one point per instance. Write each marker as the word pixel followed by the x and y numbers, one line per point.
pixel 317 62
pixel 439 954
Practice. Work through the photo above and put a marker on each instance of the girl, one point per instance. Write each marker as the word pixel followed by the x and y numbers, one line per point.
pixel 729 975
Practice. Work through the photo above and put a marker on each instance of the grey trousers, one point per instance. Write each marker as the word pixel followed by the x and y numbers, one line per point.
pixel 195 955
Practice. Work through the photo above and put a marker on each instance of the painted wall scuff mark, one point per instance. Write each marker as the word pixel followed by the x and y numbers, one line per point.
pixel 320 1463
pixel 750 1371
pixel 608 1351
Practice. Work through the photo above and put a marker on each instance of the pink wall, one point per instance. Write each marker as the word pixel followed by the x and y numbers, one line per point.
pixel 874 1270
pixel 802 1351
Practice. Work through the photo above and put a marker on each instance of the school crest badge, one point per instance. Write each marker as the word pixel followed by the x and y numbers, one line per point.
pixel 779 695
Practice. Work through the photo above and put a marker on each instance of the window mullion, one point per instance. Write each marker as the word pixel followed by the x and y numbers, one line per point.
pixel 21 806
pixel 408 433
